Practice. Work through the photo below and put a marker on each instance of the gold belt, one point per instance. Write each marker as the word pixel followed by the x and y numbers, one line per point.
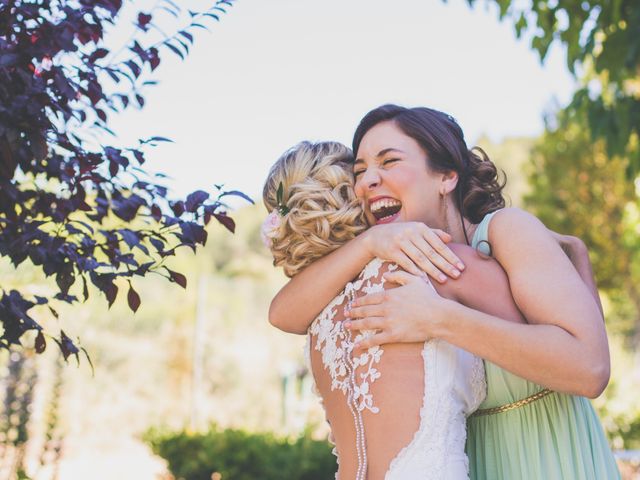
pixel 514 405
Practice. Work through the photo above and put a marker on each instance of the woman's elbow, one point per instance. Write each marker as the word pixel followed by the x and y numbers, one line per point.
pixel 280 322
pixel 597 379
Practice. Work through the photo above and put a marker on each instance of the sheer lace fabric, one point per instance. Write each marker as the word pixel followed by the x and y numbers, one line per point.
pixel 396 412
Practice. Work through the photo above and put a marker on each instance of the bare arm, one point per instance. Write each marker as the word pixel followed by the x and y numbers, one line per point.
pixel 486 288
pixel 412 245
pixel 564 346
pixel 296 305
pixel 550 356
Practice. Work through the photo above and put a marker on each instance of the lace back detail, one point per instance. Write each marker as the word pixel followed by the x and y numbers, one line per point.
pixel 454 386
pixel 336 346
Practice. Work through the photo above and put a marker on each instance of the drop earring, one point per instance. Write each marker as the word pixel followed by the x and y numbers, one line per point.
pixel 444 209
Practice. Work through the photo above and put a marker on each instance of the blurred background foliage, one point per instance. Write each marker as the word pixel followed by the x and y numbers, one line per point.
pixel 201 370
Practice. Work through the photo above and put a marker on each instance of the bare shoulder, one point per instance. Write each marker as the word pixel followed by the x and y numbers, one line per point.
pixel 480 272
pixel 522 244
pixel 515 221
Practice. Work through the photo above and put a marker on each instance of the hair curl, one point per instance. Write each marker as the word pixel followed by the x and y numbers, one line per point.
pixel 323 210
pixel 479 190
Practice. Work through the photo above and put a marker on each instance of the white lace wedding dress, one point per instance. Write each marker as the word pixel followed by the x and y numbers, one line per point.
pixel 400 420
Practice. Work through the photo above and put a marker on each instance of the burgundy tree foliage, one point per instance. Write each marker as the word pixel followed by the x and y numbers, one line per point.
pixel 82 211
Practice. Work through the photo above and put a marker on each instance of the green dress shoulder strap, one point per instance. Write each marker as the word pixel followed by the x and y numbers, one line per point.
pixel 480 239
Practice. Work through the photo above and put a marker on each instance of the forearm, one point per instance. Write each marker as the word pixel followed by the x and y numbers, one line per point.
pixel 296 305
pixel 542 353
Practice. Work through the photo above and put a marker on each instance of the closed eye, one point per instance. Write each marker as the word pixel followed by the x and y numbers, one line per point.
pixel 388 161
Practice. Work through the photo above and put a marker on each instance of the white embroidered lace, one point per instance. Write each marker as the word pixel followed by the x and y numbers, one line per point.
pixel 454 386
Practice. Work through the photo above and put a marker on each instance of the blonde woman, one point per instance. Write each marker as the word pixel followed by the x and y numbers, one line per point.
pixel 398 411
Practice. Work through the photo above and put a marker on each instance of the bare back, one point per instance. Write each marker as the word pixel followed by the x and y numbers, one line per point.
pixel 381 390
pixel 373 401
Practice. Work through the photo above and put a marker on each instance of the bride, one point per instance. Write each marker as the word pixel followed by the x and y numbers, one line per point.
pixel 398 411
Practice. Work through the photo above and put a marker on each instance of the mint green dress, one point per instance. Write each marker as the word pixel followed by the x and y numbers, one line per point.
pixel 554 437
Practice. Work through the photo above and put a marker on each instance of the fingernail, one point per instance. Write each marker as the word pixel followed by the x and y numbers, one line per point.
pixel 442 277
pixel 455 273
pixel 460 265
pixel 347 324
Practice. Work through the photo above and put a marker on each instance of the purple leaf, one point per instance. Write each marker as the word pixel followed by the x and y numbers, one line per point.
pixel 41 343
pixel 226 221
pixel 178 208
pixel 195 199
pixel 143 20
pixel 179 278
pixel 237 194
pixel 133 299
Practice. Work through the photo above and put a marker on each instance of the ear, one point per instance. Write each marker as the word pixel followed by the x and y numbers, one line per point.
pixel 449 182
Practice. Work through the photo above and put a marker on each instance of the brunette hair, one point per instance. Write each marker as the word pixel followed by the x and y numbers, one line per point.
pixel 322 210
pixel 479 190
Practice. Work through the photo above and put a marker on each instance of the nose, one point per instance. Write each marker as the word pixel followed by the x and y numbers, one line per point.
pixel 370 178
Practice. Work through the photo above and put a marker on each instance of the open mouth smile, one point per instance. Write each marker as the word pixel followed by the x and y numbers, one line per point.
pixel 385 209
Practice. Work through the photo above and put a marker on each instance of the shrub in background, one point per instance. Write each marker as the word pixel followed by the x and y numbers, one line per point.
pixel 241 455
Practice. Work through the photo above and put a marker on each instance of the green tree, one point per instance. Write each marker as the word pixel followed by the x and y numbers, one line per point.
pixel 602 41
pixel 577 187
pixel 591 149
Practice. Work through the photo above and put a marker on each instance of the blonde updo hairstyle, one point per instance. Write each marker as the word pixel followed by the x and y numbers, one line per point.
pixel 323 211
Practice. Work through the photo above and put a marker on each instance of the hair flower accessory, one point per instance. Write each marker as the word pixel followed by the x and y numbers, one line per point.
pixel 272 223
pixel 270 228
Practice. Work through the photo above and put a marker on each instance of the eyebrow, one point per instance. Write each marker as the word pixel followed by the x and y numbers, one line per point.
pixel 380 154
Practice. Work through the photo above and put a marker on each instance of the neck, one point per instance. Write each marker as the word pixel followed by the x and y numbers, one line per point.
pixel 456 229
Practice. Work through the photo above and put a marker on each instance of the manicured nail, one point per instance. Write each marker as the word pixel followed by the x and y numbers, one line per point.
pixel 460 265
pixel 455 273
pixel 442 277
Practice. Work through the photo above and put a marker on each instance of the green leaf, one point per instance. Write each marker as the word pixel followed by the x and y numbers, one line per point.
pixel 279 194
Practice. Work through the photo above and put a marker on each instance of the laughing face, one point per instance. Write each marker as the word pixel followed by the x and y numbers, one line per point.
pixel 393 179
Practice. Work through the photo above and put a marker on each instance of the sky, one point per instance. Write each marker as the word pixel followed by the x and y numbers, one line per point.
pixel 274 72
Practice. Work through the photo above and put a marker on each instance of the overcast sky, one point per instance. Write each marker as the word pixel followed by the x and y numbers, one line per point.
pixel 274 72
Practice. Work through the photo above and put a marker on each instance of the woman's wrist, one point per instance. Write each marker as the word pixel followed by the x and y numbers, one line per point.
pixel 366 240
pixel 440 324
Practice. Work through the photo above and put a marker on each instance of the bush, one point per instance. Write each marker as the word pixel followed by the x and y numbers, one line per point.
pixel 240 455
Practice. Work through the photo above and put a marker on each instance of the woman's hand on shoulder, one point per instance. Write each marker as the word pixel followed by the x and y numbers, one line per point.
pixel 416 248
pixel 572 246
